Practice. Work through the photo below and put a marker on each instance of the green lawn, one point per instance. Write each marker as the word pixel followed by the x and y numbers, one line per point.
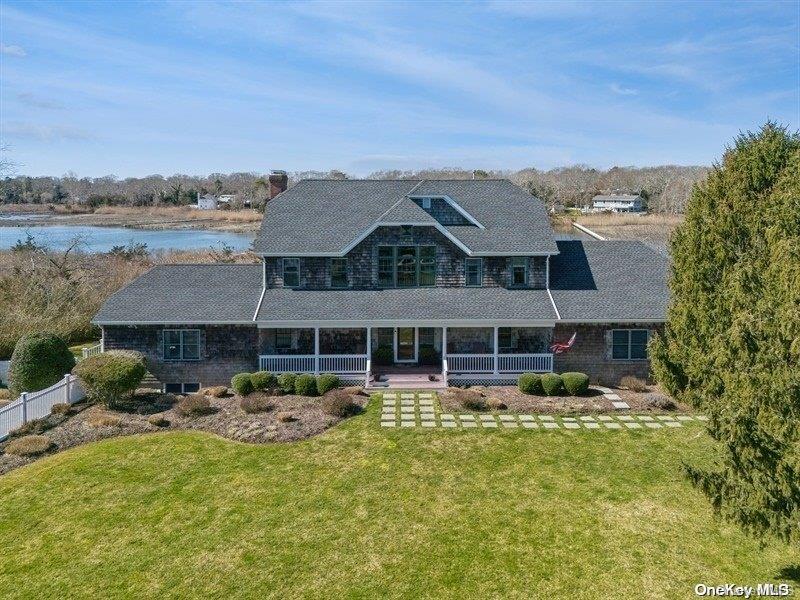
pixel 365 512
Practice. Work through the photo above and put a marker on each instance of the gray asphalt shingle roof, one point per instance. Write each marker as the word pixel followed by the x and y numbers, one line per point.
pixel 609 280
pixel 407 304
pixel 197 293
pixel 325 216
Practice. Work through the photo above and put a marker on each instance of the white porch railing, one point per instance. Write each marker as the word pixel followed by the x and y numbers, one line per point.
pixel 525 363
pixel 506 363
pixel 328 363
pixel 91 350
pixel 35 405
pixel 471 363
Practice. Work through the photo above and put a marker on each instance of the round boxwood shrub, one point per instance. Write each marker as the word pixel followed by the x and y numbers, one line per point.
pixel 194 405
pixel 305 385
pixel 263 380
pixel 576 384
pixel 530 383
pixel 383 356
pixel 340 404
pixel 30 445
pixel 552 384
pixel 242 383
pixel 39 360
pixel 111 376
pixel 286 382
pixel 327 382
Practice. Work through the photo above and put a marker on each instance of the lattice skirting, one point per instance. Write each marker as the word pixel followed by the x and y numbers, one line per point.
pixel 350 382
pixel 464 381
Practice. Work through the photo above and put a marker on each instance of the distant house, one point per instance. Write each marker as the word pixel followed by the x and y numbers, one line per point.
pixel 226 198
pixel 207 202
pixel 618 202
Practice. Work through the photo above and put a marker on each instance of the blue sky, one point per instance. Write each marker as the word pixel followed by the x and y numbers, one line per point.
pixel 138 88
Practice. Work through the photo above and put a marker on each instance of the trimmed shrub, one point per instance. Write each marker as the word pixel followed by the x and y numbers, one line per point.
pixel 194 405
pixel 158 420
pixel 242 383
pixel 530 383
pixel 496 404
pixel 633 383
pixel 660 402
pixel 327 382
pixel 382 356
pixel 111 376
pixel 103 419
pixel 263 380
pixel 256 404
pixel 217 391
pixel 552 384
pixel 470 399
pixel 286 382
pixel 39 360
pixel 354 390
pixel 285 417
pixel 5 394
pixel 576 384
pixel 305 385
pixel 60 408
pixel 30 445
pixel 429 356
pixel 340 404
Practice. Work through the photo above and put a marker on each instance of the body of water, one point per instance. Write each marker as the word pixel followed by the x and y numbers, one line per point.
pixel 102 239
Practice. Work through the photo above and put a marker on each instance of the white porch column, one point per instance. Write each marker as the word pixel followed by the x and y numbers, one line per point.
pixel 316 350
pixel 444 342
pixel 496 350
pixel 369 342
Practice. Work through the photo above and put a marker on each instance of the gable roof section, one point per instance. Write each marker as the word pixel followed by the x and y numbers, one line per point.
pixel 186 294
pixel 327 217
pixel 609 280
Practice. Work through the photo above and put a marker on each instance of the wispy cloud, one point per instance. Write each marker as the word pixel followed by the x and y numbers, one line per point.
pixel 45 133
pixel 12 50
pixel 31 100
pixel 623 91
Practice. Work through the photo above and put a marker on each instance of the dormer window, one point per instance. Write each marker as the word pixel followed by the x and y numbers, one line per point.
pixel 426 203
pixel 519 272
pixel 291 272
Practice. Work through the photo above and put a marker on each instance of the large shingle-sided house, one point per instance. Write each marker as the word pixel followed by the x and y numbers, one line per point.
pixel 451 281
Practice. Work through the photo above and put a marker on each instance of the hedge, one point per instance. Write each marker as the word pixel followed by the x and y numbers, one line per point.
pixel 552 384
pixel 242 383
pixel 576 384
pixel 305 385
pixel 530 383
pixel 286 382
pixel 111 376
pixel 263 380
pixel 327 382
pixel 39 360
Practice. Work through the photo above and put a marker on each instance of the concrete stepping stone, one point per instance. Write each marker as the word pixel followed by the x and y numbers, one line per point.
pixel 507 418
pixel 620 405
pixel 591 425
pixel 654 425
pixel 509 424
pixel 407 395
pixel 702 418
pixel 487 417
pixel 429 424
pixel 612 425
pixel 448 424
pixel 633 425
pixel 388 424
pixel 546 418
pixel 685 418
pixel 529 425
pixel 489 423
pixel 389 395
pixel 613 396
pixel 604 390
pixel 550 425
pixel 569 419
pixel 587 418
pixel 569 425
pixel 625 418
pixel 407 410
pixel 604 418
pixel 527 418
pixel 447 417
pixel 426 395
pixel 469 424
pixel 645 418
pixel 672 424
pixel 467 417
pixel 424 411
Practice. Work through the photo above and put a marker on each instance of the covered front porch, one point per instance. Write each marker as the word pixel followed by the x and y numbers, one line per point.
pixel 451 353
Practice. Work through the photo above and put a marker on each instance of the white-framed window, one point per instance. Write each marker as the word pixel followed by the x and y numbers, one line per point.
pixel 519 271
pixel 629 344
pixel 406 266
pixel 181 388
pixel 473 272
pixel 338 272
pixel 283 339
pixel 181 344
pixel 291 272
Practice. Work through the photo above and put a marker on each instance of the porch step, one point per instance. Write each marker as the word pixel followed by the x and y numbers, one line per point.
pixel 416 381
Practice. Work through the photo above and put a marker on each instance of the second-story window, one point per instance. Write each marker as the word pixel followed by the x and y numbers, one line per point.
pixel 519 271
pixel 291 272
pixel 473 270
pixel 406 266
pixel 386 266
pixel 427 265
pixel 339 272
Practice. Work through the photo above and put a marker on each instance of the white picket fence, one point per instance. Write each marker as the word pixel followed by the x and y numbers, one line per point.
pixel 91 351
pixel 35 405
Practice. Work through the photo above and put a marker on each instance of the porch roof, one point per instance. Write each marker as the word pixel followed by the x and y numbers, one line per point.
pixel 405 305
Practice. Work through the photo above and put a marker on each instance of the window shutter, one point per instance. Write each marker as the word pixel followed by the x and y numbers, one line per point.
pixel 609 343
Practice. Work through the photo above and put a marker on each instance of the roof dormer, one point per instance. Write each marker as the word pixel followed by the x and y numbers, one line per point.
pixel 445 210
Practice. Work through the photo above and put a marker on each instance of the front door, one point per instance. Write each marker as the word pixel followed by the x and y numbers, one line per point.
pixel 406 346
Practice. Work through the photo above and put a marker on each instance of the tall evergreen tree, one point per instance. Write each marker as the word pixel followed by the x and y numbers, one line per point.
pixel 731 345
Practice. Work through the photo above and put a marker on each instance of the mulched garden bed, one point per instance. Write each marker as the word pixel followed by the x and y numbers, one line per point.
pixel 592 403
pixel 225 418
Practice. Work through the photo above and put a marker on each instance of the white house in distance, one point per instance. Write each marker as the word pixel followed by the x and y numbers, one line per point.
pixel 618 202
pixel 207 202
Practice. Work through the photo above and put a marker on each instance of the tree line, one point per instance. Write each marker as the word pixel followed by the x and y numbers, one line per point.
pixel 665 188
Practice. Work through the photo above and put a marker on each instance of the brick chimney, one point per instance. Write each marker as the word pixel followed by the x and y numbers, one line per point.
pixel 278 181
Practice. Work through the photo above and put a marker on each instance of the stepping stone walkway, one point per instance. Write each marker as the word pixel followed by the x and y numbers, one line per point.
pixel 423 410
